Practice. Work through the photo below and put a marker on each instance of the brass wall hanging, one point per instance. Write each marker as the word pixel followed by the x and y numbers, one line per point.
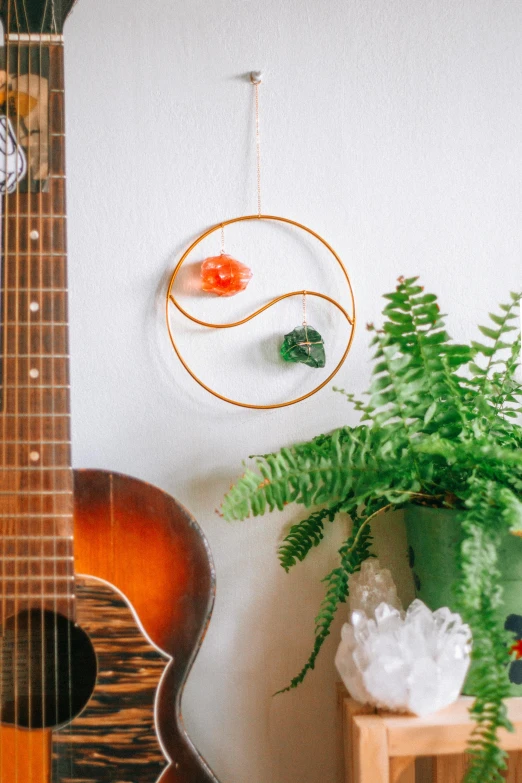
pixel 225 276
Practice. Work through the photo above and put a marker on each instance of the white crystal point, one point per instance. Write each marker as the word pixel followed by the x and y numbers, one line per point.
pixel 371 586
pixel 350 674
pixel 414 661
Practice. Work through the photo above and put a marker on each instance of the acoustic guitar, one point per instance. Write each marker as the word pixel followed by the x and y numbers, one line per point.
pixel 106 583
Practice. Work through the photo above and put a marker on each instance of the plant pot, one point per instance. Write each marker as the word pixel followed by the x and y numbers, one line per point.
pixel 434 536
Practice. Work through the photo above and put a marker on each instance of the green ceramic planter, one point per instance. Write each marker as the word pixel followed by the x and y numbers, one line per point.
pixel 434 536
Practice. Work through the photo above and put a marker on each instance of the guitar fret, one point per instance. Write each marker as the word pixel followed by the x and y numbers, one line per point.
pixel 37 538
pixel 37 415
pixel 34 291
pixel 33 578
pixel 24 468
pixel 36 558
pixel 35 256
pixel 37 492
pixel 21 447
pixel 38 596
pixel 48 469
pixel 40 479
pixel 36 516
pixel 36 440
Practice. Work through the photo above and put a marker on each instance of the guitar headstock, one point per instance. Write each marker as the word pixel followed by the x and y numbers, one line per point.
pixel 36 17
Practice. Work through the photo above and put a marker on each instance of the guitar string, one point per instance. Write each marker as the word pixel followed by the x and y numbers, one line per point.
pixel 38 287
pixel 26 375
pixel 5 524
pixel 69 589
pixel 44 455
pixel 16 408
pixel 50 222
pixel 16 396
pixel 70 583
pixel 21 270
pixel 10 335
pixel 40 396
pixel 52 364
pixel 18 93
pixel 51 360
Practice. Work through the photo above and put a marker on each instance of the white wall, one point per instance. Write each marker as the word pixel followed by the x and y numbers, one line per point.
pixel 392 128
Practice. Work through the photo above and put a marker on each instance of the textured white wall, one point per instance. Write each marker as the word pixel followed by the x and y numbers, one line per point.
pixel 394 128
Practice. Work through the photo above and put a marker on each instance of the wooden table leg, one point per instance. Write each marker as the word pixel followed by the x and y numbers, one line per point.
pixel 350 709
pixel 370 750
pixel 402 769
pixel 449 769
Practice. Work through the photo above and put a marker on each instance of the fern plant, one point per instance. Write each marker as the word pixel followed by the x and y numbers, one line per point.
pixel 439 427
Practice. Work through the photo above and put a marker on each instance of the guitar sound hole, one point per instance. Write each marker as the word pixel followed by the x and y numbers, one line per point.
pixel 47 670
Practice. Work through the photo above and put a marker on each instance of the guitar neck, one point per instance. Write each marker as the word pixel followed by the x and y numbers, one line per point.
pixel 35 459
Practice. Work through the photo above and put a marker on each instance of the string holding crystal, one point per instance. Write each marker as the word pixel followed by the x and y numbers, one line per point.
pixel 256 77
pixel 224 275
pixel 304 344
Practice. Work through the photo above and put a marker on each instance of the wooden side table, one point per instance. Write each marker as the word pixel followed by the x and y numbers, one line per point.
pixel 382 747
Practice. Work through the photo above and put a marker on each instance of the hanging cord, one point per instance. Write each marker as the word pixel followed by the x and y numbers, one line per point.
pixel 306 343
pixel 256 79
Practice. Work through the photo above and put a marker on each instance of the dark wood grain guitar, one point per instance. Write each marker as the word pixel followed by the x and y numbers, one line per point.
pixel 106 583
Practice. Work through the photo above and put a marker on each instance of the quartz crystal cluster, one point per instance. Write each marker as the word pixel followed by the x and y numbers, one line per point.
pixel 414 661
pixel 372 586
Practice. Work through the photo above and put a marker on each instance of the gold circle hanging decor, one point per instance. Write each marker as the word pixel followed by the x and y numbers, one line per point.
pixel 223 275
pixel 306 343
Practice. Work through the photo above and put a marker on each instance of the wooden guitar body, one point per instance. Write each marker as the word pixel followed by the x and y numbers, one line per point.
pixel 145 589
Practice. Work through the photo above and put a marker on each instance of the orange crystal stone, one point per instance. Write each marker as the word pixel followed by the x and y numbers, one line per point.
pixel 224 276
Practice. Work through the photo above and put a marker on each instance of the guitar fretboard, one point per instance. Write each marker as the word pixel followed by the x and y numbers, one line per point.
pixel 36 567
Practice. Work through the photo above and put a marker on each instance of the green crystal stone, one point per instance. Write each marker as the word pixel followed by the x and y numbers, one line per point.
pixel 305 345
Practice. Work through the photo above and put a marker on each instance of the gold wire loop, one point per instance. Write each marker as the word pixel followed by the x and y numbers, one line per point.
pixel 171 299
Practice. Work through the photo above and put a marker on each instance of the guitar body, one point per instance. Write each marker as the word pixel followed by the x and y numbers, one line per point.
pixel 145 588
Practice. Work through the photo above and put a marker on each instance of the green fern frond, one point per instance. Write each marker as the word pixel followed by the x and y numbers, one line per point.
pixel 479 597
pixel 305 535
pixel 417 363
pixel 497 343
pixel 352 554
